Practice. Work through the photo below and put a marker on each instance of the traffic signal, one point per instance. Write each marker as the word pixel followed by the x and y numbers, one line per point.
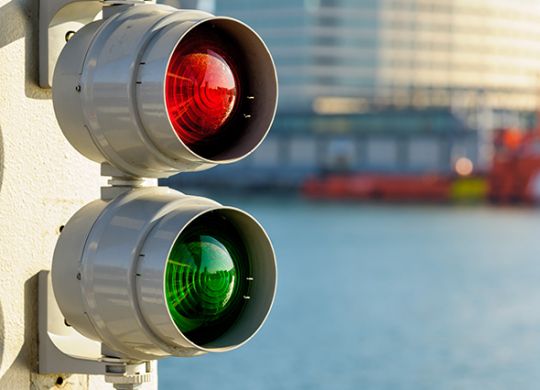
pixel 154 273
pixel 154 91
pixel 149 272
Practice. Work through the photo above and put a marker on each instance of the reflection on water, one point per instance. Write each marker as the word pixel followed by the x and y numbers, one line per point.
pixel 382 297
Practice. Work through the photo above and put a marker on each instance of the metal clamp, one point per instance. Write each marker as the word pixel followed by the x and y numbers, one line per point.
pixel 64 350
pixel 120 182
pixel 58 19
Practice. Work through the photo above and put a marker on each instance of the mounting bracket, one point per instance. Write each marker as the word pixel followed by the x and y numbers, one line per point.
pixel 64 350
pixel 59 18
pixel 121 182
pixel 56 19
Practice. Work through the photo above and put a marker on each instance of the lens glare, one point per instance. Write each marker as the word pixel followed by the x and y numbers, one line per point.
pixel 205 278
pixel 201 88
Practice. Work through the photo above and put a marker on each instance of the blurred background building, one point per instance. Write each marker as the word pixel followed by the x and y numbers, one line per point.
pixel 397 100
pixel 387 86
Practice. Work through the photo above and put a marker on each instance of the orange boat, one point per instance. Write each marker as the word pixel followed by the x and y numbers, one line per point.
pixel 514 177
pixel 515 174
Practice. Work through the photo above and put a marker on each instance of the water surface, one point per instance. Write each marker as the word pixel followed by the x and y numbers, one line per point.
pixel 389 297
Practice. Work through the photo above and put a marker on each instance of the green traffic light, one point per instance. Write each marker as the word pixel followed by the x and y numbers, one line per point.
pixel 206 281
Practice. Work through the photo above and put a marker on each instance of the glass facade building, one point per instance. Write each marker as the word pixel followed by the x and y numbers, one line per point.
pixel 404 53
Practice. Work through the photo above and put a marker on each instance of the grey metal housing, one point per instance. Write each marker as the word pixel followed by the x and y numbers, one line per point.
pixel 108 273
pixel 109 90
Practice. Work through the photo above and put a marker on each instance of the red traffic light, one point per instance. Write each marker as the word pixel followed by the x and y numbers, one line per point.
pixel 202 90
pixel 154 91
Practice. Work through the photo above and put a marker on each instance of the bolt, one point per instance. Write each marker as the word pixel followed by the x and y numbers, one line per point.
pixel 69 35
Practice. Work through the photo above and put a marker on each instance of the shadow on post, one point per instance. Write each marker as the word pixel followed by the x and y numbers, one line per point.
pixel 1 173
pixel 2 336
pixel 19 19
pixel 27 357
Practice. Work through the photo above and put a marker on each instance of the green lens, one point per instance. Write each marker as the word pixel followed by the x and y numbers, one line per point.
pixel 205 278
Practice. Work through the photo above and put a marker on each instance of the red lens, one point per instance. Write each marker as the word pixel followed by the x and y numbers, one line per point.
pixel 202 89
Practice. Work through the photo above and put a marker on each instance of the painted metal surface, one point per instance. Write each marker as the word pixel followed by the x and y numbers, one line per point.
pixel 109 265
